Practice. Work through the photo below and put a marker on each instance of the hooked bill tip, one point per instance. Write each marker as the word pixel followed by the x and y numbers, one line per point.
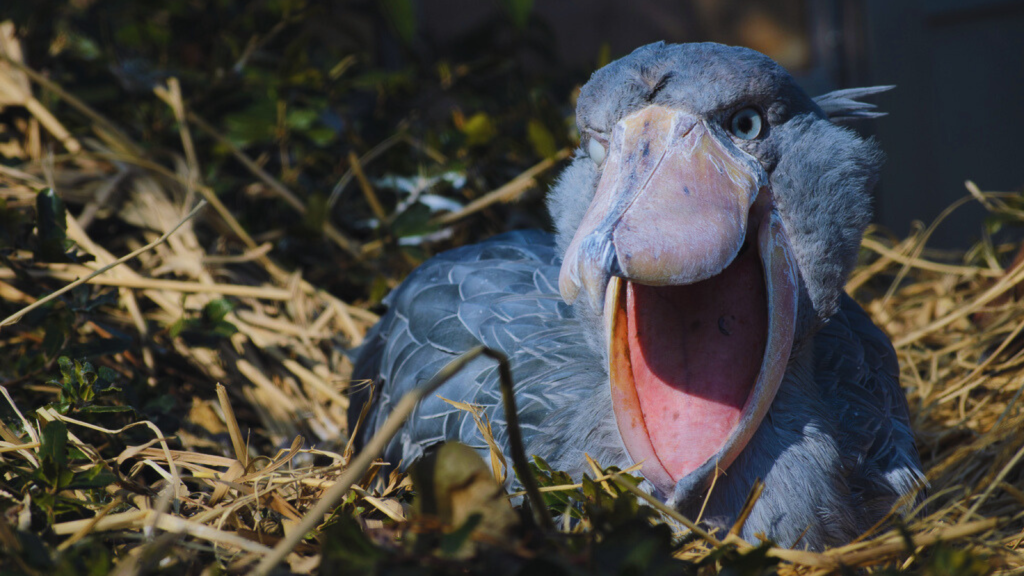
pixel 588 267
pixel 568 287
pixel 595 282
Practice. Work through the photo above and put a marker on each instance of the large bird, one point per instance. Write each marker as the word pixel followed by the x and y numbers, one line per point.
pixel 689 312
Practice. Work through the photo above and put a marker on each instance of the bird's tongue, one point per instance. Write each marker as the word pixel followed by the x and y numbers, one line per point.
pixel 695 352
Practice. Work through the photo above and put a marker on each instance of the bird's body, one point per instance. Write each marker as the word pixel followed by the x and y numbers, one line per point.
pixel 808 401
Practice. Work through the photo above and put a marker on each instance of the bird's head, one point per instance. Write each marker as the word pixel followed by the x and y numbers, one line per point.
pixel 709 220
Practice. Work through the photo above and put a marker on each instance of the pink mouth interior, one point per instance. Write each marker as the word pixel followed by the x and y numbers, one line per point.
pixel 695 352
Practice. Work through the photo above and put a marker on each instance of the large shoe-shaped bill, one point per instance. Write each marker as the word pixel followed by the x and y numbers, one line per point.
pixel 683 252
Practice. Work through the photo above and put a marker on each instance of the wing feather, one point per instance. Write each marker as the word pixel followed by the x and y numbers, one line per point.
pixel 501 293
pixel 858 364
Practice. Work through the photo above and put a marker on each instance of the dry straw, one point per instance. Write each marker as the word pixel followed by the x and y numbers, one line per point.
pixel 956 322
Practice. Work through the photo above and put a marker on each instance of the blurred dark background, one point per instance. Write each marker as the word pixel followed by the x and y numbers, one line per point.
pixel 958 65
pixel 487 88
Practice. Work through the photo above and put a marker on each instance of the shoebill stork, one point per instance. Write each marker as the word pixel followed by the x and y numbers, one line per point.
pixel 688 313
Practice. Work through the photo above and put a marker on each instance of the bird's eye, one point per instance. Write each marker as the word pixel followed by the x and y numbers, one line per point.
pixel 596 150
pixel 746 124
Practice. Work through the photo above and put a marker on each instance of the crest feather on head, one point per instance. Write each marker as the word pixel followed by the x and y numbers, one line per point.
pixel 844 105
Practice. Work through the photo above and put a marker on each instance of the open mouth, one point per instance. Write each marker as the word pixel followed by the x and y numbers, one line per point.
pixel 695 367
pixel 683 253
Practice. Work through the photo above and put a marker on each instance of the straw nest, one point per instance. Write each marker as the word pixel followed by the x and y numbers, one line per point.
pixel 954 318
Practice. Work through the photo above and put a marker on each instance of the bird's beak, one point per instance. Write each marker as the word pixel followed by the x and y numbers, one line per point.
pixel 699 327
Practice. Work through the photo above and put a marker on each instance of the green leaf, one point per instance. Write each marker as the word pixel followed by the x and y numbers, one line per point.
pixel 253 125
pixel 95 409
pixel 479 129
pixel 83 302
pixel 321 135
pixel 51 224
pixel 378 288
pixel 53 456
pixel 108 375
pixel 634 546
pixel 83 47
pixel 518 11
pixel 561 500
pixel 67 372
pixel 162 404
pixel 347 550
pixel 96 477
pixel 33 551
pixel 225 329
pixel 301 119
pixel 454 543
pixel 454 485
pixel 402 16
pixel 754 562
pixel 179 325
pixel 414 222
pixel 217 309
pixel 91 558
pixel 542 465
pixel 62 406
pixel 541 139
pixel 316 214
pixel 85 377
pixel 54 444
pixel 590 488
pixel 947 560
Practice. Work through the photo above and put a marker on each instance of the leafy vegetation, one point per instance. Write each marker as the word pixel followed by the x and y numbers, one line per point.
pixel 182 412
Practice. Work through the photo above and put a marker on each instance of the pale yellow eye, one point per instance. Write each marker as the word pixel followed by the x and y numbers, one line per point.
pixel 746 124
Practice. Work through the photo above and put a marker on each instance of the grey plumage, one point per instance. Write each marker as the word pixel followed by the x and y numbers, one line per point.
pixel 501 293
pixel 835 450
